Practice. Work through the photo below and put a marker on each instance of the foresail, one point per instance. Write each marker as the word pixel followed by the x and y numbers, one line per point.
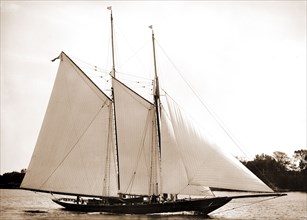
pixel 136 135
pixel 74 151
pixel 200 162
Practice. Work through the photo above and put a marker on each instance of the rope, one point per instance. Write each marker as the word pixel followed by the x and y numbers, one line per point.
pixel 74 144
pixel 136 76
pixel 246 205
pixel 135 52
pixel 140 152
pixel 188 115
pixel 91 66
pixel 204 104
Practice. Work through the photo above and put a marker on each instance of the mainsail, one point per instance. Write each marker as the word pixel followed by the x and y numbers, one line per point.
pixel 136 135
pixel 74 151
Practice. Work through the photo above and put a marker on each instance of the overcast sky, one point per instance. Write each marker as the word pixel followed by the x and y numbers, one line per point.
pixel 246 59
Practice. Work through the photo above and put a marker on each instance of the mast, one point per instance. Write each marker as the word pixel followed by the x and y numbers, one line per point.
pixel 157 103
pixel 157 90
pixel 112 40
pixel 114 111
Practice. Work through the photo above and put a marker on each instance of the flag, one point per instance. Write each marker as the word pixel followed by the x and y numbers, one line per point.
pixel 55 58
pixel 109 8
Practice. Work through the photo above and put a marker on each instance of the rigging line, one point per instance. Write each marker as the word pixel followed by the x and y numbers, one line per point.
pixel 129 187
pixel 135 52
pixel 155 135
pixel 95 75
pixel 246 205
pixel 91 66
pixel 140 151
pixel 189 116
pixel 210 111
pixel 74 145
pixel 106 79
pixel 136 76
pixel 107 174
pixel 113 150
pixel 83 161
pixel 88 81
pixel 152 172
pixel 137 82
pixel 94 71
pixel 140 86
pixel 191 178
pixel 215 117
pixel 132 94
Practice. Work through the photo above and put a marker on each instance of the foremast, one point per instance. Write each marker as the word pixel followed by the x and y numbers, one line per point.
pixel 114 109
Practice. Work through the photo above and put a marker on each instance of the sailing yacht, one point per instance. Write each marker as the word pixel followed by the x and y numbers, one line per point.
pixel 124 154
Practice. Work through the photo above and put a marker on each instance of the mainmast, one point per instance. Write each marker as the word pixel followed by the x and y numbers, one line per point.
pixel 113 75
pixel 156 90
pixel 157 109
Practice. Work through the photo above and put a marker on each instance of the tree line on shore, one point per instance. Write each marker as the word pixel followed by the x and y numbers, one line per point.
pixel 279 171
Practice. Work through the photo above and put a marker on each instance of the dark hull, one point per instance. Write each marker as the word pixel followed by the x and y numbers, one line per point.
pixel 198 206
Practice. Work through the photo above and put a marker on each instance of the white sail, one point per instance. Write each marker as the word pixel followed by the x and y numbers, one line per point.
pixel 198 161
pixel 74 151
pixel 174 173
pixel 136 135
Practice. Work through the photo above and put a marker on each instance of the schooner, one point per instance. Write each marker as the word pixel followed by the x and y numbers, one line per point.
pixel 126 154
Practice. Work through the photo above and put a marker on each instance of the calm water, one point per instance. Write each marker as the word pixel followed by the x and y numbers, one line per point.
pixel 20 204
